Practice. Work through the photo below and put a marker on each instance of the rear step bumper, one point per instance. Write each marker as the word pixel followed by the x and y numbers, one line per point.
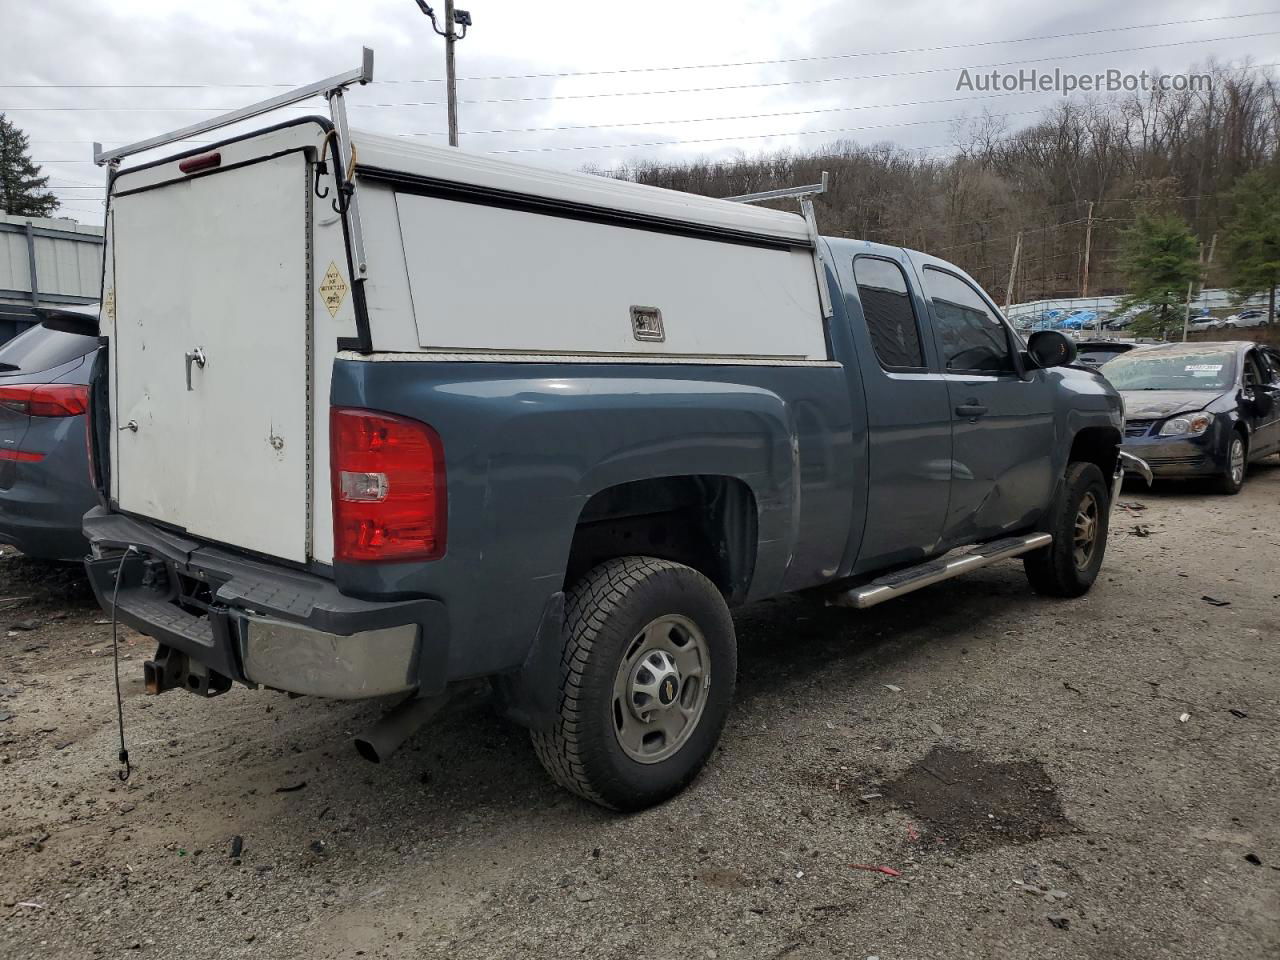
pixel 915 578
pixel 263 624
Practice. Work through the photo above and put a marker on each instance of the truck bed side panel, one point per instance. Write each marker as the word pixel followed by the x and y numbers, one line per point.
pixel 527 444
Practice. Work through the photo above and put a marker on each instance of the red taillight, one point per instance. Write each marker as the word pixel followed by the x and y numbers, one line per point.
pixel 388 488
pixel 206 161
pixel 46 399
pixel 21 455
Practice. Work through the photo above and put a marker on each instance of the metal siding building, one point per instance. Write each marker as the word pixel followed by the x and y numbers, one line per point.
pixel 45 262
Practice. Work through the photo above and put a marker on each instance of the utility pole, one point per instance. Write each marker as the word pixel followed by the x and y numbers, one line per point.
pixel 452 18
pixel 450 73
pixel 1013 272
pixel 1088 242
pixel 1186 317
pixel 1204 274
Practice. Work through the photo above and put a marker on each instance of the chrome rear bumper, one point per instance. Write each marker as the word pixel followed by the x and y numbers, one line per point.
pixel 1128 463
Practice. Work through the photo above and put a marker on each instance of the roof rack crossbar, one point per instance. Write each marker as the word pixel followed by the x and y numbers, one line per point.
pixel 811 190
pixel 361 75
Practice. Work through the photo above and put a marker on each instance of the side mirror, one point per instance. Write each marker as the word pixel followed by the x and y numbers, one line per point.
pixel 1049 348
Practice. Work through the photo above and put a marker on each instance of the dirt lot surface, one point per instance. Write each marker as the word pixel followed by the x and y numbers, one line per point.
pixel 1090 778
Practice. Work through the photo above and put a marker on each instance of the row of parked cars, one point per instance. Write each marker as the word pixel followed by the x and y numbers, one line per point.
pixel 1244 320
pixel 1056 319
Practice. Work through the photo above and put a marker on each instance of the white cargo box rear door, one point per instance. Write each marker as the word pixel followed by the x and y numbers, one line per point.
pixel 218 265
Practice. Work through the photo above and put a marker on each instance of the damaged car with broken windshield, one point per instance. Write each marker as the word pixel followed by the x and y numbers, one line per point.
pixel 1200 410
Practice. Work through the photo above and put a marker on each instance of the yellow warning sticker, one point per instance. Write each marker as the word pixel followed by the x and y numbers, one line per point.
pixel 109 304
pixel 333 289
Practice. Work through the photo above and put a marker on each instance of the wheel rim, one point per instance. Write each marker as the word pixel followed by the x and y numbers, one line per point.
pixel 1085 538
pixel 1237 460
pixel 660 690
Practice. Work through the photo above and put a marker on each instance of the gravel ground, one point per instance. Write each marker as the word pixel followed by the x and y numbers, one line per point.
pixel 1089 778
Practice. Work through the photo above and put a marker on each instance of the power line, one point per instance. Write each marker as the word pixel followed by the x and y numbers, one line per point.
pixel 682 90
pixel 651 123
pixel 753 136
pixel 647 123
pixel 756 136
pixel 866 76
pixel 740 116
pixel 617 71
pixel 863 53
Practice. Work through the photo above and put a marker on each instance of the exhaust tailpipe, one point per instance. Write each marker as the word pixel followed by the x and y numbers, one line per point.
pixel 397 725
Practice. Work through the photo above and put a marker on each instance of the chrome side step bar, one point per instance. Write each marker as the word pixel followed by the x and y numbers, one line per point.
pixel 902 582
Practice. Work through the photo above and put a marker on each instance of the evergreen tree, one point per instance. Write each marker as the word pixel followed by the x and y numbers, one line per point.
pixel 1159 259
pixel 22 189
pixel 1251 251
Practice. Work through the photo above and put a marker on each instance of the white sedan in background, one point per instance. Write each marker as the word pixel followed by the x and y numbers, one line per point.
pixel 1244 319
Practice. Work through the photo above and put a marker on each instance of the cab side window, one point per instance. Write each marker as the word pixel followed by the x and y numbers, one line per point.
pixel 891 319
pixel 970 335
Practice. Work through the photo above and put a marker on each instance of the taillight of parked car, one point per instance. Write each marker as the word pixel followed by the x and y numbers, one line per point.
pixel 388 488
pixel 41 400
pixel 45 399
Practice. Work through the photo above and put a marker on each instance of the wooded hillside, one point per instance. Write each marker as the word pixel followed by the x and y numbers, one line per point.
pixel 1165 151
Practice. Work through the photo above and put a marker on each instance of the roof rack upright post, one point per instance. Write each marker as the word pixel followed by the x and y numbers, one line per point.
pixel 805 195
pixel 343 176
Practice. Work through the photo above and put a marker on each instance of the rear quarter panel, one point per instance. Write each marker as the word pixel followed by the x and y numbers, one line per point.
pixel 527 444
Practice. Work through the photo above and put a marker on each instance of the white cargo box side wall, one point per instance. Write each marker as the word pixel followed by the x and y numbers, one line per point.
pixel 479 274
pixel 486 278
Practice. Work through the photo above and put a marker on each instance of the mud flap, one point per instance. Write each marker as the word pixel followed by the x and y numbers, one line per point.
pixel 530 696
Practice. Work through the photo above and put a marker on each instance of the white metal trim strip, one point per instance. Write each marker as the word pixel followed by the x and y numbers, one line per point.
pixel 585 358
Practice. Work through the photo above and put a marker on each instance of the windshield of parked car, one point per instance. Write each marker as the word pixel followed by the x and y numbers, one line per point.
pixel 1099 353
pixel 39 348
pixel 1176 369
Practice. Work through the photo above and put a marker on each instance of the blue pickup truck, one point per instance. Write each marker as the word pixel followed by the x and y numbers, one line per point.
pixel 371 422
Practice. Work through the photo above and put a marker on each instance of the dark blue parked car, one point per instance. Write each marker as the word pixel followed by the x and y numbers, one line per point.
pixel 1200 409
pixel 44 463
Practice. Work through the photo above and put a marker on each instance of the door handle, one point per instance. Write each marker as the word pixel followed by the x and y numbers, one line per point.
pixel 196 356
pixel 972 409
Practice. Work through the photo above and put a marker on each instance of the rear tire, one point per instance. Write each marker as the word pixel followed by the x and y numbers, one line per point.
pixel 640 633
pixel 1079 522
pixel 1231 480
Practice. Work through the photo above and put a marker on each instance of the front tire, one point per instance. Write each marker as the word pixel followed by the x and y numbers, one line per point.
pixel 1079 522
pixel 1231 480
pixel 646 680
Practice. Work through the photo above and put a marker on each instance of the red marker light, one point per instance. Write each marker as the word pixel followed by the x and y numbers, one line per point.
pixel 206 161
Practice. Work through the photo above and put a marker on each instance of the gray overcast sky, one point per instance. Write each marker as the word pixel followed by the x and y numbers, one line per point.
pixel 284 42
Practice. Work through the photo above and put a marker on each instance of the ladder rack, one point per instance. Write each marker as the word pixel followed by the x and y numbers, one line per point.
pixel 331 88
pixel 326 88
pixel 805 195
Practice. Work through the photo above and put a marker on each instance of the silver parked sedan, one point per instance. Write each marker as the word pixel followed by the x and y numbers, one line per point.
pixel 44 460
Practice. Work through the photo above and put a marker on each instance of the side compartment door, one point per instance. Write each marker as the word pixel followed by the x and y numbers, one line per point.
pixel 1002 426
pixel 908 415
